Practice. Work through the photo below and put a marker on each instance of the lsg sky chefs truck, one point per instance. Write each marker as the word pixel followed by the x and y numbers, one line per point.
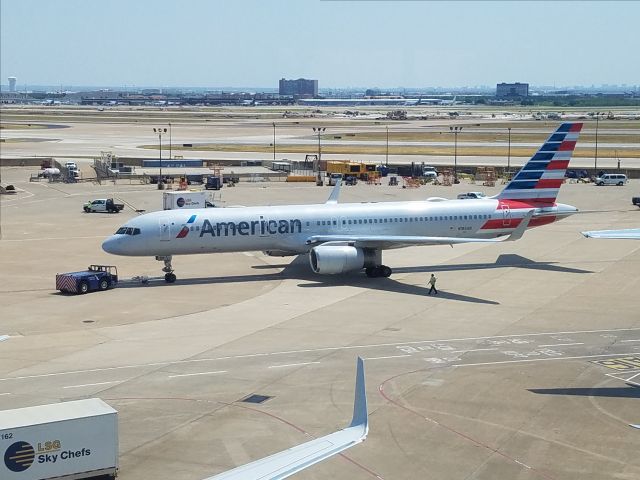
pixel 70 441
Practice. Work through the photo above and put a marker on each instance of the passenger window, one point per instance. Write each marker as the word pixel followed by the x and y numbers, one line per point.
pixel 318 223
pixel 335 223
pixel 344 222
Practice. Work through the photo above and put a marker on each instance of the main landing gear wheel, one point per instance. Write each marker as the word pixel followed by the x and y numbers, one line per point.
pixel 379 271
pixel 169 277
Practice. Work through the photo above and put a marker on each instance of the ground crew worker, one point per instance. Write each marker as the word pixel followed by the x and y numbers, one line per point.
pixel 432 282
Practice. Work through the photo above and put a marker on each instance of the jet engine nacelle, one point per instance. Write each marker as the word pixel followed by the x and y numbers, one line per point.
pixel 334 259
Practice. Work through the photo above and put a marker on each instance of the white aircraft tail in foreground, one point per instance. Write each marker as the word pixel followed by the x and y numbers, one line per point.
pixel 283 464
pixel 347 237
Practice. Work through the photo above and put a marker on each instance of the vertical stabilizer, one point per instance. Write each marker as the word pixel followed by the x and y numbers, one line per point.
pixel 538 182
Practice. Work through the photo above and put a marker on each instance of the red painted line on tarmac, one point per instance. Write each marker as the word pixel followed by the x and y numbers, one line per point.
pixel 276 417
pixel 453 430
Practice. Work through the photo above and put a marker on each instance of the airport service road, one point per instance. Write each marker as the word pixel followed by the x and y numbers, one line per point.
pixel 594 346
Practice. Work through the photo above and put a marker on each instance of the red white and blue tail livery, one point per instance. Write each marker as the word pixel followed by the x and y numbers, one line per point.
pixel 538 182
pixel 345 237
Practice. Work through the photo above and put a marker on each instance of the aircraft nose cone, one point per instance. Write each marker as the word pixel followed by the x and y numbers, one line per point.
pixel 111 245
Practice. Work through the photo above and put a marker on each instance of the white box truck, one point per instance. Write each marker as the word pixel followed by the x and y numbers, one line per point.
pixel 184 199
pixel 70 440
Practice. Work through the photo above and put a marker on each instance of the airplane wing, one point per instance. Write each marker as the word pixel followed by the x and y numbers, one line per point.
pixel 631 234
pixel 398 241
pixel 283 464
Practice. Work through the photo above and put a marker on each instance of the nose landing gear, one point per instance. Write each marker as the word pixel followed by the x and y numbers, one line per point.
pixel 169 276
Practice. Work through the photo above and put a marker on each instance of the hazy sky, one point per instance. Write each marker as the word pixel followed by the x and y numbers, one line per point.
pixel 253 43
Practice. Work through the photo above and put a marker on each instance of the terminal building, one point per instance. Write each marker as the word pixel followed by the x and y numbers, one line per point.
pixel 509 90
pixel 299 88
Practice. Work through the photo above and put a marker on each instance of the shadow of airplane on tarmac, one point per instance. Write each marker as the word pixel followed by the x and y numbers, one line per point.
pixel 503 261
pixel 299 269
pixel 630 391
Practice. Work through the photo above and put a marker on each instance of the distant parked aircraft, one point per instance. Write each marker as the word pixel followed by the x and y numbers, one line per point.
pixel 629 234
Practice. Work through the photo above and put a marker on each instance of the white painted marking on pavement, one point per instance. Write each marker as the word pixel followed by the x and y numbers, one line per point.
pixel 347 347
pixel 538 360
pixel 93 384
pixel 473 350
pixel 200 373
pixel 635 340
pixel 2 394
pixel 292 365
pixel 382 358
pixel 560 344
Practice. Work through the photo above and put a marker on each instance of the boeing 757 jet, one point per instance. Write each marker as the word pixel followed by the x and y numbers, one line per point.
pixel 345 237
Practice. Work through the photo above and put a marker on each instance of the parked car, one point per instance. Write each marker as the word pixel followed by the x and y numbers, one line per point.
pixel 470 195
pixel 429 172
pixel 611 179
pixel 333 179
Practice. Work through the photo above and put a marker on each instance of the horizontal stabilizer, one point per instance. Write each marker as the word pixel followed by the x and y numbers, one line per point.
pixel 520 229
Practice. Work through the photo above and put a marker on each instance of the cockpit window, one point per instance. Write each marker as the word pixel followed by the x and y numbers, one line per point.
pixel 128 231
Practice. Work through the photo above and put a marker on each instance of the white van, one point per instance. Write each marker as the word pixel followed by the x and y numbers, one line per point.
pixel 611 179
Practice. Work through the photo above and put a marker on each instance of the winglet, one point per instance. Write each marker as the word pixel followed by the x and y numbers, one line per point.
pixel 335 193
pixel 519 231
pixel 360 412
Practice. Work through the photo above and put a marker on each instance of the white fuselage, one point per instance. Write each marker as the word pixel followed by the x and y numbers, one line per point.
pixel 287 228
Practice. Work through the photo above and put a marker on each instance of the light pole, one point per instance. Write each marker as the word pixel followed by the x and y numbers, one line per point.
pixel 319 130
pixel 274 141
pixel 160 131
pixel 170 141
pixel 455 131
pixel 595 157
pixel 387 155
pixel 509 156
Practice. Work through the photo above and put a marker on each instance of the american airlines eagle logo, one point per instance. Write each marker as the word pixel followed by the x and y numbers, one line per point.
pixel 185 228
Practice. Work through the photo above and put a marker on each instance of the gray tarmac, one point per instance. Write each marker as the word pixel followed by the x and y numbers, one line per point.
pixel 523 367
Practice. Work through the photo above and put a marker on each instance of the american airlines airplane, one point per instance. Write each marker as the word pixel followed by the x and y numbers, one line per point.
pixel 345 237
